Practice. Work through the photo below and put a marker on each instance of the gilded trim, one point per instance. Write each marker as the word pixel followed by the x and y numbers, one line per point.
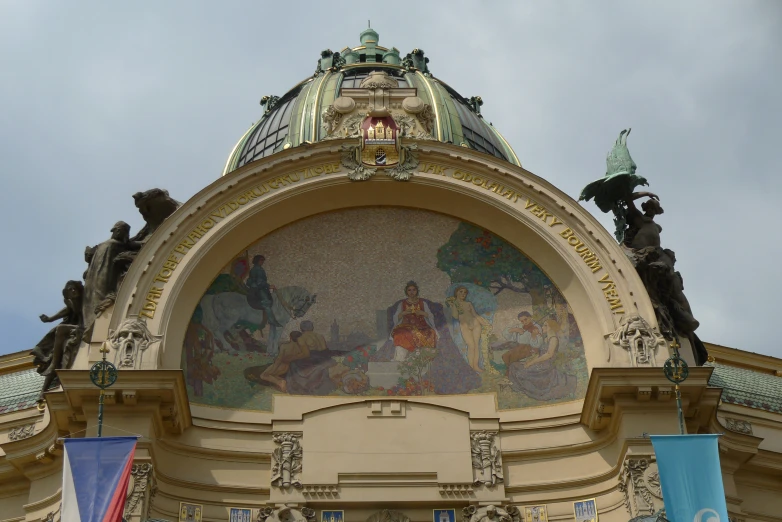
pixel 507 145
pixel 316 105
pixel 230 164
pixel 435 103
pixel 303 97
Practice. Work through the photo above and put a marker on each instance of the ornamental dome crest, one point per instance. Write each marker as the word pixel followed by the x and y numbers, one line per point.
pixel 350 83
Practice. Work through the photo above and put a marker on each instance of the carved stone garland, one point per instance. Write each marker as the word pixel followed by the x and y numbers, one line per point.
pixel 388 515
pixel 639 481
pixel 288 514
pixel 640 339
pixel 491 514
pixel 738 425
pixel 21 432
pixel 486 458
pixel 286 461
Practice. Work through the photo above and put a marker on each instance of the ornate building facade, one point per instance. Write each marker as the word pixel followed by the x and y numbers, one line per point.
pixel 376 313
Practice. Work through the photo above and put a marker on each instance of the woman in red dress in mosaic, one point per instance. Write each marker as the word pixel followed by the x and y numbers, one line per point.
pixel 413 324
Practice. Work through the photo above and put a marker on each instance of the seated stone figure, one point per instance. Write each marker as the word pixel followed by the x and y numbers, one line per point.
pixel 58 348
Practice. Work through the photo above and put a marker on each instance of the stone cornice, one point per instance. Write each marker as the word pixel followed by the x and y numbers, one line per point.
pixel 214 488
pixel 34 456
pixel 643 389
pixel 769 461
pixel 16 362
pixel 606 439
pixel 44 502
pixel 163 389
pixel 236 455
pixel 749 360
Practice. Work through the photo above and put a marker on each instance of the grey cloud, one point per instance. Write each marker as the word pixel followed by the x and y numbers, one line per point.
pixel 102 100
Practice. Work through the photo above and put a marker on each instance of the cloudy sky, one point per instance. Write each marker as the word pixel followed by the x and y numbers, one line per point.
pixel 103 99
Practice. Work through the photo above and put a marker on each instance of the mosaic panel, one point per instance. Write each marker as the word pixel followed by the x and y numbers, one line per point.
pixel 382 302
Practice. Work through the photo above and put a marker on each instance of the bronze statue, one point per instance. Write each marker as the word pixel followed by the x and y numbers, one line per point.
pixel 58 348
pixel 154 205
pixel 614 191
pixel 108 262
pixel 638 232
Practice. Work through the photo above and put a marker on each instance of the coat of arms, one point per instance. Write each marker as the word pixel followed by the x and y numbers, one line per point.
pixel 379 141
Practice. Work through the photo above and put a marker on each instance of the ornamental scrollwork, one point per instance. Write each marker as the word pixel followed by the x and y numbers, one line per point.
pixel 287 514
pixel 427 120
pixel 357 171
pixel 286 461
pixel 639 482
pixel 379 80
pixel 407 167
pixel 142 481
pixel 406 125
pixel 331 118
pixel 388 515
pixel 486 458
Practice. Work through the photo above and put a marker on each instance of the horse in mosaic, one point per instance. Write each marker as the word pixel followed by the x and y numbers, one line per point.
pixel 222 311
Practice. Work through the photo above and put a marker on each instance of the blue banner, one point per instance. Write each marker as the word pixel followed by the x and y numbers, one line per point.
pixel 691 477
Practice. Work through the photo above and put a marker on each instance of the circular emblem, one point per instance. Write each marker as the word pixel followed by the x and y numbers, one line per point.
pixel 676 369
pixel 103 374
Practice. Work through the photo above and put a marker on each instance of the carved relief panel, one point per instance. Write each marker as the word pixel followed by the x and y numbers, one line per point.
pixel 286 514
pixel 639 481
pixel 491 514
pixel 286 461
pixel 486 458
pixel 141 491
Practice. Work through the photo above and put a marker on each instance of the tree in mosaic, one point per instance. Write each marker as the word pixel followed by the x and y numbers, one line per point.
pixel 474 255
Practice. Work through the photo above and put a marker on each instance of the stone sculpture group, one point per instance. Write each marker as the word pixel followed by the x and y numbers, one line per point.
pixel 639 234
pixel 84 302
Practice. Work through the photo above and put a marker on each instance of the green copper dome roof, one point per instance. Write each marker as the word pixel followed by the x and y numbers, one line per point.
pixel 297 116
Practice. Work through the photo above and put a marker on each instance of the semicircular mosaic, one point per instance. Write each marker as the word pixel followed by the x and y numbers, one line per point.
pixel 382 302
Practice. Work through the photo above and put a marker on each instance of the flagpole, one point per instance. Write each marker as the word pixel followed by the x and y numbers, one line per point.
pixel 102 374
pixel 677 371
